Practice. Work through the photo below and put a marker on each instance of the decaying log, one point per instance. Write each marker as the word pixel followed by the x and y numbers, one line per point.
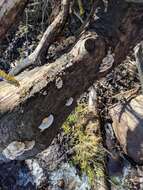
pixel 31 114
pixel 50 90
pixel 10 11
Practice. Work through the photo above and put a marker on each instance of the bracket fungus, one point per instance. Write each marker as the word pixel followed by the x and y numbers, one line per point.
pixel 16 148
pixel 69 101
pixel 46 123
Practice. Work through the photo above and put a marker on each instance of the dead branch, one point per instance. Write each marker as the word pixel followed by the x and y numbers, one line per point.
pixel 53 30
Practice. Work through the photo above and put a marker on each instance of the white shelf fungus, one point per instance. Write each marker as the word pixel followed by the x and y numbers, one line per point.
pixel 47 122
pixel 69 101
pixel 16 148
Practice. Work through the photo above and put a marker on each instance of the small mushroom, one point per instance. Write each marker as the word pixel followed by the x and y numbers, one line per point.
pixel 46 123
pixel 16 148
pixel 69 101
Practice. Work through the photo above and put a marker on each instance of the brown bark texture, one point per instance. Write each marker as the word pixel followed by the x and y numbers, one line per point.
pixel 10 12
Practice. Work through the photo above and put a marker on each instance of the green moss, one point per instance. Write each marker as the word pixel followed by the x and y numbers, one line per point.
pixel 88 152
pixel 90 173
pixel 73 118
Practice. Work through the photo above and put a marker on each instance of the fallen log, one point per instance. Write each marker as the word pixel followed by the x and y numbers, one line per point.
pixel 31 115
pixel 50 90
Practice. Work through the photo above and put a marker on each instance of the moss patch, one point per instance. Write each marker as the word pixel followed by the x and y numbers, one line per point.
pixel 88 154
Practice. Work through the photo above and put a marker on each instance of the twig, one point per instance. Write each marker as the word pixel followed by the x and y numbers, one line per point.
pixel 48 37
pixel 127 94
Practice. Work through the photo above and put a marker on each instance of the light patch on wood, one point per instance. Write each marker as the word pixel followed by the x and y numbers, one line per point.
pixel 109 59
pixel 44 93
pixel 59 83
pixel 69 101
pixel 15 149
pixel 46 123
pixel 92 98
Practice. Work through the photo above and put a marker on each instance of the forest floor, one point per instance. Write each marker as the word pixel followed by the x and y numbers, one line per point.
pixel 64 155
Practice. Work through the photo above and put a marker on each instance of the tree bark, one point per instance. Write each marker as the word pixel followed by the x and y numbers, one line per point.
pixel 138 50
pixel 31 115
pixel 10 11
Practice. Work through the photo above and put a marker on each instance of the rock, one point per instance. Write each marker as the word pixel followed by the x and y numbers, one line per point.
pixel 51 157
pixel 15 175
pixel 128 127
pixel 69 177
pixel 37 172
